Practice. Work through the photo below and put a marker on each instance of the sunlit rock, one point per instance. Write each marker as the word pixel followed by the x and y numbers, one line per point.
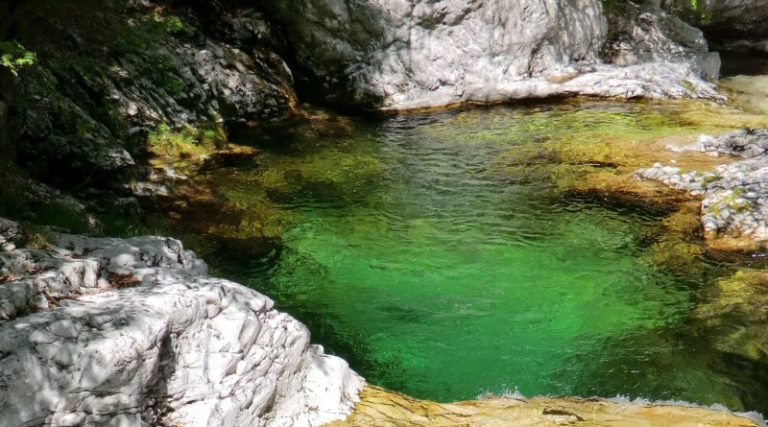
pixel 393 54
pixel 735 196
pixel 380 407
pixel 645 33
pixel 137 334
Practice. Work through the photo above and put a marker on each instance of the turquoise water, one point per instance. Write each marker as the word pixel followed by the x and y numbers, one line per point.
pixel 440 255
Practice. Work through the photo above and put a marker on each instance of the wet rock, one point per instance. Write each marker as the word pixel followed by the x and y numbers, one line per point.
pixel 735 195
pixel 173 346
pixel 380 407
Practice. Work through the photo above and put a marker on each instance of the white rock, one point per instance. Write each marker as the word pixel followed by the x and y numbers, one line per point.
pixel 211 351
pixel 398 54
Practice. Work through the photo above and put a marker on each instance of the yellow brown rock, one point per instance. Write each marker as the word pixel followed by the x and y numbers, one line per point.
pixel 379 407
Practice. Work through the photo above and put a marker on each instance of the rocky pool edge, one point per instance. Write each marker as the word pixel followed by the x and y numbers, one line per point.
pixel 134 331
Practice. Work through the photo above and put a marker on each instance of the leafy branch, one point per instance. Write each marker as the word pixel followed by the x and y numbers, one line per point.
pixel 14 57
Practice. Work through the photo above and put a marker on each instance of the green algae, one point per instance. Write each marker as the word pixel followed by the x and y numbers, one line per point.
pixel 737 314
pixel 452 254
pixel 332 172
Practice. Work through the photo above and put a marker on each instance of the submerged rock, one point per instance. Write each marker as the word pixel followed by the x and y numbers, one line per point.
pixel 735 317
pixel 133 332
pixel 393 54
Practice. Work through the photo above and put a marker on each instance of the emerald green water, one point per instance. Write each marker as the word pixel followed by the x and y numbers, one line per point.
pixel 441 257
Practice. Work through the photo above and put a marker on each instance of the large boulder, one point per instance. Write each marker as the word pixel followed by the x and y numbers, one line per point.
pixel 398 54
pixel 726 20
pixel 644 32
pixel 421 53
pixel 133 332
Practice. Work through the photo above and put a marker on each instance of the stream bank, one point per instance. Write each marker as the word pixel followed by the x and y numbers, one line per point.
pixel 134 138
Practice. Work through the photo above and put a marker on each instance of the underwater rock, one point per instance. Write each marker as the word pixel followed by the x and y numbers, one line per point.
pixel 138 334
pixel 393 54
pixel 735 316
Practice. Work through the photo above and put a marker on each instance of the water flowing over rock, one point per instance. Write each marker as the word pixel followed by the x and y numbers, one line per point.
pixel 394 54
pixel 133 332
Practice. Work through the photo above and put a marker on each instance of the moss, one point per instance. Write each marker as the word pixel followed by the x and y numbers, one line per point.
pixel 187 141
pixel 142 35
pixel 34 237
pixel 173 24
pixel 731 201
pixel 675 255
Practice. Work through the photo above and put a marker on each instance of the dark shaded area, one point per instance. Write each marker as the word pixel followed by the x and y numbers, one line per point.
pixel 743 62
pixel 107 74
pixel 624 202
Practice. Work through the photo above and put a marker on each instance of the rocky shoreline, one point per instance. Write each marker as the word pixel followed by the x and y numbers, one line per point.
pixel 735 195
pixel 106 331
pixel 127 332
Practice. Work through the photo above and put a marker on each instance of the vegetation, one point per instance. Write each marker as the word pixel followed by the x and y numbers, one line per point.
pixel 14 57
pixel 188 140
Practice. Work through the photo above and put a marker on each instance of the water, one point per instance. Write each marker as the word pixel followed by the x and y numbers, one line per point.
pixel 443 256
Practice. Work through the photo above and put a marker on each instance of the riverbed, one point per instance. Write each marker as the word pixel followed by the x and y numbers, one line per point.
pixel 455 254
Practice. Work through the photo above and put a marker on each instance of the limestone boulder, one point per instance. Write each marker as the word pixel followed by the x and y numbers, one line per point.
pixel 397 54
pixel 642 33
pixel 134 332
